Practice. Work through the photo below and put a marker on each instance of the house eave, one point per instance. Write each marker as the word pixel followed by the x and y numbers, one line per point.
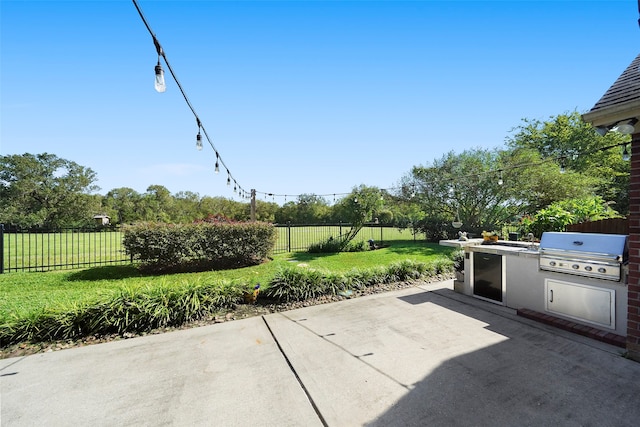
pixel 613 114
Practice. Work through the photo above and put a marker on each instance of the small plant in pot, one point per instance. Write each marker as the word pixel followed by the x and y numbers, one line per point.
pixel 491 236
pixel 251 294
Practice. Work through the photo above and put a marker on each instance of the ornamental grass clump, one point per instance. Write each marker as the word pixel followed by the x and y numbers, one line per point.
pixel 300 283
pixel 128 309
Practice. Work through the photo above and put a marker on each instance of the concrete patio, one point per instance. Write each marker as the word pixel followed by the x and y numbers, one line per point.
pixel 415 357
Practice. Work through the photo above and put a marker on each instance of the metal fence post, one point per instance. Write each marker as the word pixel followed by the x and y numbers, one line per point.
pixel 288 236
pixel 1 248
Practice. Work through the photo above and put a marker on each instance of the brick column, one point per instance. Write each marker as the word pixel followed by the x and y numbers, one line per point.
pixel 633 316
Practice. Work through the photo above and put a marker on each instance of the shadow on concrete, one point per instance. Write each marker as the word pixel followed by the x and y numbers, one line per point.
pixel 530 378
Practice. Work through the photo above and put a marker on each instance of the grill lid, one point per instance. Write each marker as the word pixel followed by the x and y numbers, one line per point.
pixel 596 245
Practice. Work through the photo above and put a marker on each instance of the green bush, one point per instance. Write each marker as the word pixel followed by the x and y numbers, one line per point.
pixel 202 246
pixel 331 245
pixel 557 216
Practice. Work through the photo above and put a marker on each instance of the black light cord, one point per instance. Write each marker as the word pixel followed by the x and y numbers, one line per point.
pixel 162 54
pixel 230 178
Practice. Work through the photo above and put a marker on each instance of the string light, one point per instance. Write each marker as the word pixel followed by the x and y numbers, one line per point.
pixel 160 86
pixel 625 154
pixel 159 83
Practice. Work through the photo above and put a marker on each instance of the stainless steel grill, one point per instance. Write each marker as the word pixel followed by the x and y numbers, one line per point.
pixel 600 256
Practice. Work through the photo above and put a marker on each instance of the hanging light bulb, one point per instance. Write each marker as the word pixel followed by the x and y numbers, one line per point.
pixel 235 186
pixel 199 141
pixel 160 84
pixel 228 178
pixel 625 154
pixel 500 181
pixel 217 170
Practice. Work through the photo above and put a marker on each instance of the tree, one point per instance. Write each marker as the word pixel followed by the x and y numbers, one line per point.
pixel 358 208
pixel 45 190
pixel 567 139
pixel 486 188
pixel 223 206
pixel 308 209
pixel 123 203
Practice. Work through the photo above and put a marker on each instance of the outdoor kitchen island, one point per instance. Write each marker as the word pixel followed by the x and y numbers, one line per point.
pixel 509 273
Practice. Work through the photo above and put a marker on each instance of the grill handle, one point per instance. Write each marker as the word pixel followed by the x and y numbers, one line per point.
pixel 551 294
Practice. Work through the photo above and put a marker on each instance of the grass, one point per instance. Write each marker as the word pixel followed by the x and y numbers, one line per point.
pixel 22 293
pixel 56 250
pixel 60 250
pixel 35 300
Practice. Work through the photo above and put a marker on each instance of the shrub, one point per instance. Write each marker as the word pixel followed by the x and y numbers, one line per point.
pixel 558 215
pixel 297 284
pixel 129 309
pixel 201 246
pixel 457 258
pixel 331 245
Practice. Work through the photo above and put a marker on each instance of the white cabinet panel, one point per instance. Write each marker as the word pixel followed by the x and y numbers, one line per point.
pixel 581 302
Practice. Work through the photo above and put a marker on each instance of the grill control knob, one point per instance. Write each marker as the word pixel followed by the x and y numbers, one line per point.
pixel 575 266
pixel 602 270
pixel 552 263
pixel 588 268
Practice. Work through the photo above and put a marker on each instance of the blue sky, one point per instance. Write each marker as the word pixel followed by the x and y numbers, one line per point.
pixel 297 96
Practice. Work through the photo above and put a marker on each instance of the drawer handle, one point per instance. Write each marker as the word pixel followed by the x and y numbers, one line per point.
pixel 551 293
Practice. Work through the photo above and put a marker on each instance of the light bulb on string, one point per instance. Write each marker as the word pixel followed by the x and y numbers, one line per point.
pixel 228 178
pixel 626 156
pixel 217 169
pixel 500 181
pixel 199 141
pixel 160 84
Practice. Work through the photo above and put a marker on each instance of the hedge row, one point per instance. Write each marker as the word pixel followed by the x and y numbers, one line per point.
pixel 202 246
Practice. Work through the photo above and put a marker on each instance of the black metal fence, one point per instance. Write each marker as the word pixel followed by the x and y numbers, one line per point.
pixel 46 250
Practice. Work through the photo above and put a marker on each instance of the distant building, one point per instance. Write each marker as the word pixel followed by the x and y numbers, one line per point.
pixel 102 219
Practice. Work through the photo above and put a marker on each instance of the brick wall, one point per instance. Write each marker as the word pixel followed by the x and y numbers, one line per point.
pixel 633 316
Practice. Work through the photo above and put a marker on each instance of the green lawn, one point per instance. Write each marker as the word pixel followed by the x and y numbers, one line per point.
pixel 61 250
pixel 29 292
pixel 48 251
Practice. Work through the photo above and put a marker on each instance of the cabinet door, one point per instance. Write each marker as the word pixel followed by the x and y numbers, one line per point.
pixel 487 276
pixel 588 304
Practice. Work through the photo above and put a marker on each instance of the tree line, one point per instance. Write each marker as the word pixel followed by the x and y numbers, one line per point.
pixel 541 163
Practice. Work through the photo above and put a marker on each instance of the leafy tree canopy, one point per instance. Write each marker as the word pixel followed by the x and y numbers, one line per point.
pixel 568 140
pixel 45 190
